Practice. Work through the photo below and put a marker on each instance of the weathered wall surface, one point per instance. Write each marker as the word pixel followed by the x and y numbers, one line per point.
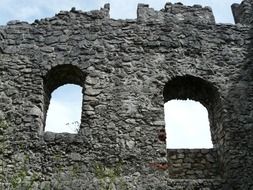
pixel 127 69
pixel 242 12
pixel 193 164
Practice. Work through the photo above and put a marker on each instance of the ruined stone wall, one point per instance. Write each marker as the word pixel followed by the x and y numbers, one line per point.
pixel 193 164
pixel 243 12
pixel 127 69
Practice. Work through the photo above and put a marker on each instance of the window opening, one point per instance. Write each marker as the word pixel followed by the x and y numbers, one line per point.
pixel 63 89
pixel 64 113
pixel 187 124
pixel 193 88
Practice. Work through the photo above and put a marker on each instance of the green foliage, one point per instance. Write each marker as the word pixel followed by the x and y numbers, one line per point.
pixel 74 126
pixel 75 170
pixel 103 172
pixel 18 178
pixel 3 124
pixel 3 127
pixel 23 178
pixel 109 174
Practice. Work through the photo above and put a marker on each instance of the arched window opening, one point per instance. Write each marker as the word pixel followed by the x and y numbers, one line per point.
pixel 64 112
pixel 187 124
pixel 63 88
pixel 195 89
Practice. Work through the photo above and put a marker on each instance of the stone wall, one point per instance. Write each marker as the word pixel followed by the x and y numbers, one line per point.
pixel 128 69
pixel 193 164
pixel 176 11
pixel 242 12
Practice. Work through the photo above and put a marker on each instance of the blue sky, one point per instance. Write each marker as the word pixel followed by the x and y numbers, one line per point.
pixel 186 118
pixel 29 10
pixel 64 111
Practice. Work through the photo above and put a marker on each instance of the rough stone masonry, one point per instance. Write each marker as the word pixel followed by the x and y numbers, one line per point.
pixel 128 69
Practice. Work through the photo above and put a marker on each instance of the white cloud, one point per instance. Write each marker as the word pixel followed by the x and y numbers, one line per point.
pixel 127 8
pixel 221 9
pixel 64 111
pixel 29 10
pixel 187 125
